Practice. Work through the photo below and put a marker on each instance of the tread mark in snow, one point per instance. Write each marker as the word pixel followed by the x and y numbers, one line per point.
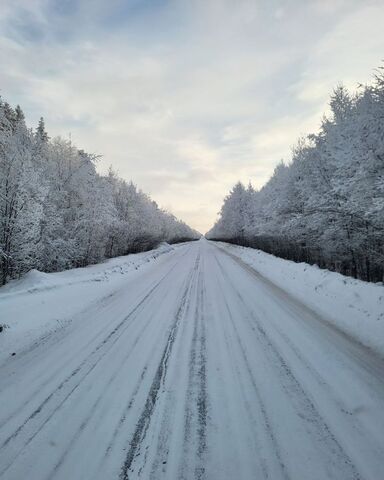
pixel 145 417
pixel 263 410
pixel 85 361
pixel 112 335
pixel 202 407
pixel 196 394
pixel 125 413
pixel 300 399
pixel 167 422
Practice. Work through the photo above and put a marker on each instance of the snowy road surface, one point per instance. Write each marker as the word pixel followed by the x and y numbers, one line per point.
pixel 195 368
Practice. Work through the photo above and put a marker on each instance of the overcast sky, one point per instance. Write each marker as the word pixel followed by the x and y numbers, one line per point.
pixel 185 97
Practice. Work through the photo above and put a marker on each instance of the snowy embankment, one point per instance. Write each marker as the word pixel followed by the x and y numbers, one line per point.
pixel 352 306
pixel 40 304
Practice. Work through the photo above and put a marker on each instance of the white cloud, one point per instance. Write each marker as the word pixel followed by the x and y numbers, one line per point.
pixel 187 97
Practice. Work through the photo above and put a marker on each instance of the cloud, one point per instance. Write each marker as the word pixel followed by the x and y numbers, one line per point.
pixel 348 53
pixel 185 98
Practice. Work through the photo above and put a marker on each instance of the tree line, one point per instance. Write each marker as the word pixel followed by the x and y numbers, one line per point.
pixel 326 206
pixel 58 212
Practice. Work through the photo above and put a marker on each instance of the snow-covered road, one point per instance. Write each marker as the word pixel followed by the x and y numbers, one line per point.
pixel 196 367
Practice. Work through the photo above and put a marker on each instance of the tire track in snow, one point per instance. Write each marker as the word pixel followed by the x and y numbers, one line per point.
pixel 94 406
pixel 150 403
pixel 271 434
pixel 169 400
pixel 196 398
pixel 97 303
pixel 124 416
pixel 101 396
pixel 202 399
pixel 302 403
pixel 99 352
pixel 162 432
pixel 189 402
pixel 367 359
pixel 321 382
pixel 249 408
pixel 162 452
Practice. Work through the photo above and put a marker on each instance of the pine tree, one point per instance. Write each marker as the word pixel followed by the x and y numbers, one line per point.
pixel 41 133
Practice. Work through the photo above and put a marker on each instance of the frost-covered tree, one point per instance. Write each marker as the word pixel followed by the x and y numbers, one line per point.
pixel 21 195
pixel 327 205
pixel 57 211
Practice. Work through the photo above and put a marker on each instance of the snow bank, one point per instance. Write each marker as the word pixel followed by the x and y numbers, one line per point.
pixel 353 306
pixel 41 304
pixel 35 280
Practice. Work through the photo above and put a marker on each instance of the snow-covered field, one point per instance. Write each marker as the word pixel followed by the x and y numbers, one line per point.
pixel 201 361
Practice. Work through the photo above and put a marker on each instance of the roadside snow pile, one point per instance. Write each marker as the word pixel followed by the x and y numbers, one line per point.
pixel 353 306
pixel 35 280
pixel 40 304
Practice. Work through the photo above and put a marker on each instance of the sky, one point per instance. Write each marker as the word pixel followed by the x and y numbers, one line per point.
pixel 185 97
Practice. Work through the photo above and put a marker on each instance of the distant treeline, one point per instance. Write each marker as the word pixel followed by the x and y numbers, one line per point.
pixel 57 212
pixel 325 207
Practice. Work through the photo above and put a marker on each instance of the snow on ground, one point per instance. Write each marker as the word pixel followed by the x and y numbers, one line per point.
pixel 27 305
pixel 193 367
pixel 353 306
